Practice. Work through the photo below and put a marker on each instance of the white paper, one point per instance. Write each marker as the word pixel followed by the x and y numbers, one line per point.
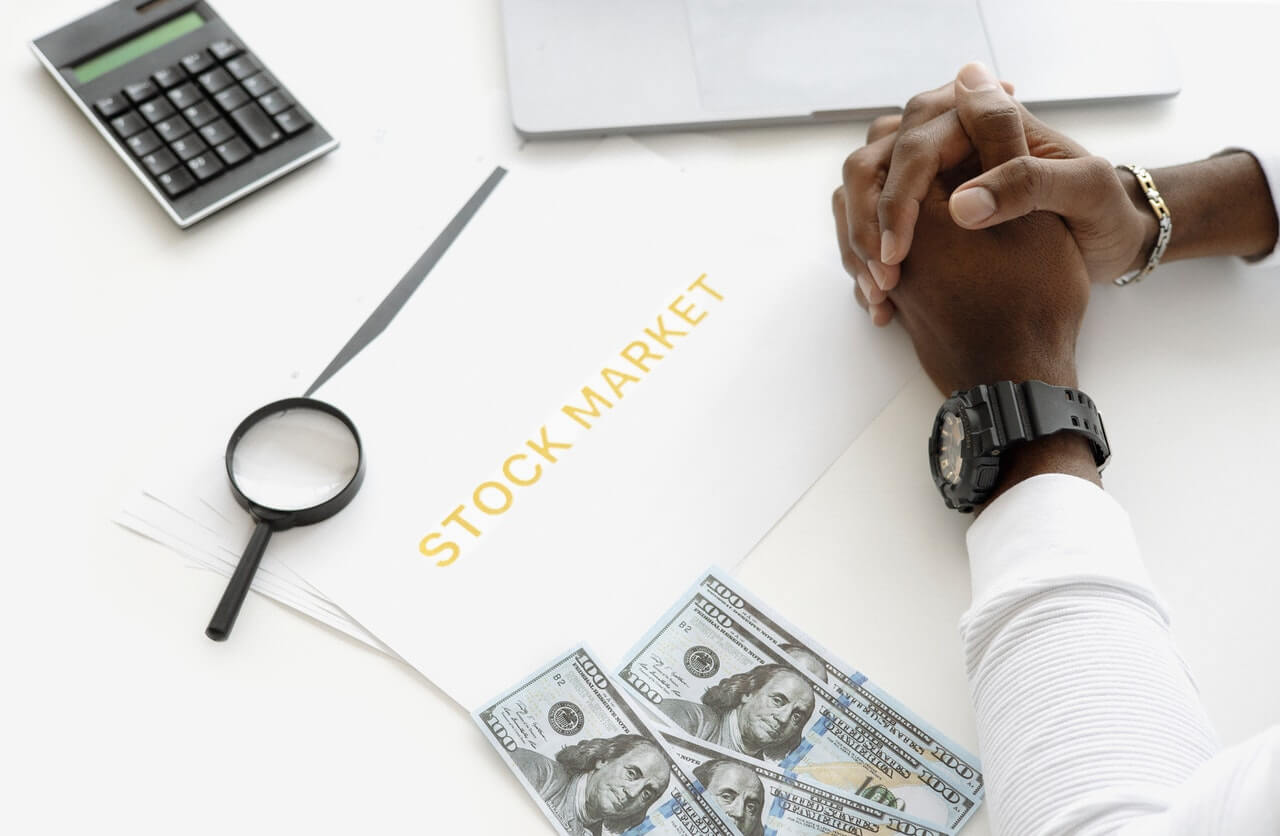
pixel 693 463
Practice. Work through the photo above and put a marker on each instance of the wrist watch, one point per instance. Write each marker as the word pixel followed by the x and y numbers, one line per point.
pixel 974 428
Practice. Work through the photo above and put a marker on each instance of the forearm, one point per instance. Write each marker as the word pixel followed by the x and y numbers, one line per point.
pixel 1086 714
pixel 1221 206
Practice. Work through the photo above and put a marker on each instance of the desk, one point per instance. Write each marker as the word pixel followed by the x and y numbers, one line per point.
pixel 119 715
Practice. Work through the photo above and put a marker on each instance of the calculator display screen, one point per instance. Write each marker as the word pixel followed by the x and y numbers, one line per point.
pixel 137 47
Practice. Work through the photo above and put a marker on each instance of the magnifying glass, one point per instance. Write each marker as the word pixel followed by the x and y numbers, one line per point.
pixel 293 462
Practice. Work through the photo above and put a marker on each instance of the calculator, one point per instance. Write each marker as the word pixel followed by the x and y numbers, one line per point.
pixel 196 115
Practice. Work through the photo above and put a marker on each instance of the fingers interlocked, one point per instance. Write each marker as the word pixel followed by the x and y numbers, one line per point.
pixel 878 204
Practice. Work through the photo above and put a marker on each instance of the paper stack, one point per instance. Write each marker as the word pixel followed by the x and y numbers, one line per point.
pixel 609 381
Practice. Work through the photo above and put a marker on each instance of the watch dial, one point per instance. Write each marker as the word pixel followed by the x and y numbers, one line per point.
pixel 950 448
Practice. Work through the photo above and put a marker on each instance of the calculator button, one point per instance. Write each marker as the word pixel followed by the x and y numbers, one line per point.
pixel 232 98
pixel 215 80
pixel 176 181
pixel 293 120
pixel 172 128
pixel 184 96
pixel 244 66
pixel 127 125
pixel 169 77
pixel 160 161
pixel 200 114
pixel 141 91
pixel 222 50
pixel 276 101
pixel 111 105
pixel 235 151
pixel 156 109
pixel 205 166
pixel 255 122
pixel 188 146
pixel 143 143
pixel 216 133
pixel 199 62
pixel 260 84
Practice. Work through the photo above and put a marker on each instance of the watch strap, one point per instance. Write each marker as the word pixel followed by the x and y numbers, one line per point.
pixel 1033 409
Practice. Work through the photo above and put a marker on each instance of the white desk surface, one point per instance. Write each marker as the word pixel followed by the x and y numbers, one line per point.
pixel 118 715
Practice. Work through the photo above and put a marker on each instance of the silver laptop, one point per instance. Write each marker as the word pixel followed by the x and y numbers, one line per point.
pixel 599 66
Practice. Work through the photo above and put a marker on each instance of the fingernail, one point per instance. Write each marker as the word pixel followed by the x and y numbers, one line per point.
pixel 877 272
pixel 973 206
pixel 880 315
pixel 977 78
pixel 888 246
pixel 865 285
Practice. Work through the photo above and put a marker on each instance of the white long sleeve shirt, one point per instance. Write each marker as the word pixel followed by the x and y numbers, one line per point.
pixel 1089 721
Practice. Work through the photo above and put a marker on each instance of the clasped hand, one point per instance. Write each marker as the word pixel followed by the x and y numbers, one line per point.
pixel 979 228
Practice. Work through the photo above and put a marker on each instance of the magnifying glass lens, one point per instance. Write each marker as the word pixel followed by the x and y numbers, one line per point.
pixel 295 459
pixel 293 462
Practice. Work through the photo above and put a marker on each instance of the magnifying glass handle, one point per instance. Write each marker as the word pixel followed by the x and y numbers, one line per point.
pixel 224 617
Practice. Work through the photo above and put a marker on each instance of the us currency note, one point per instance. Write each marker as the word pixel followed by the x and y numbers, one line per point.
pixel 590 761
pixel 712 676
pixel 856 691
pixel 765 801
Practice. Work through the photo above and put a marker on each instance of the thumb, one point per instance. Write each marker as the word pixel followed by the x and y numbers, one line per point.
pixel 989 115
pixel 1076 189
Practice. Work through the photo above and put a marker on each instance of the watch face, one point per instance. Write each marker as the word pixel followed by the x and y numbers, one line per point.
pixel 950 448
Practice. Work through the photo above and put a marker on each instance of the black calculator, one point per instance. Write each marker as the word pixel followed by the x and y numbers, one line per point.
pixel 199 117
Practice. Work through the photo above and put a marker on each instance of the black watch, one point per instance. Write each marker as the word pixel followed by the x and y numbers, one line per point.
pixel 973 428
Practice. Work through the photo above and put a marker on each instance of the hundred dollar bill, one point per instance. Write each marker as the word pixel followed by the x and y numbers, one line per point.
pixel 594 766
pixel 856 691
pixel 765 801
pixel 704 672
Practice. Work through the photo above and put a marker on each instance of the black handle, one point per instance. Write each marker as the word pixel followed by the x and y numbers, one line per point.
pixel 224 617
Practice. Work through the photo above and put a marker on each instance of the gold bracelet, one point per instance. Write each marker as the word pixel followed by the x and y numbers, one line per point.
pixel 1163 217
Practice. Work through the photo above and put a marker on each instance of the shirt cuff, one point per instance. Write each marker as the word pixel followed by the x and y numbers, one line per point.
pixel 1270 164
pixel 1052 530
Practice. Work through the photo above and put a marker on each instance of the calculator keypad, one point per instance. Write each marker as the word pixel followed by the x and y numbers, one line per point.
pixel 160 161
pixel 234 152
pixel 184 95
pixel 293 121
pixel 127 125
pixel 224 50
pixel 143 143
pixel 231 98
pixel 156 109
pixel 262 131
pixel 216 80
pixel 201 114
pixel 243 67
pixel 199 62
pixel 141 91
pixel 172 128
pixel 176 181
pixel 205 166
pixel 169 77
pixel 216 133
pixel 188 146
pixel 111 105
pixel 195 120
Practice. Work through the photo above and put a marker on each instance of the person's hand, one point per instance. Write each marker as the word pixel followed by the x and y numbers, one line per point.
pixel 981 305
pixel 1000 303
pixel 885 181
pixel 995 304
pixel 856 199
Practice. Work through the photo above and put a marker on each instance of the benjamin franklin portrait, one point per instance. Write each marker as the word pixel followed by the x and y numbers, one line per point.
pixel 598 783
pixel 737 790
pixel 761 713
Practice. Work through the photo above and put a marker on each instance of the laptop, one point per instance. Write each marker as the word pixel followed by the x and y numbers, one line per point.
pixel 607 66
